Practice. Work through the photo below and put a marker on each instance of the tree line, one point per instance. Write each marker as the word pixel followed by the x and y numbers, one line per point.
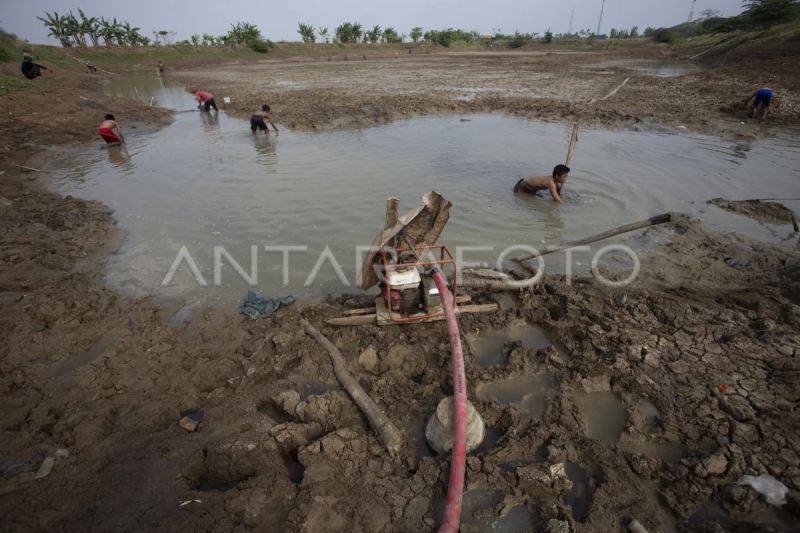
pixel 756 15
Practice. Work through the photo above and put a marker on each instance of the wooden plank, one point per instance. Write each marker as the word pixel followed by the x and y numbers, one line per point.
pixel 392 208
pixel 362 320
pixel 463 299
pixel 385 320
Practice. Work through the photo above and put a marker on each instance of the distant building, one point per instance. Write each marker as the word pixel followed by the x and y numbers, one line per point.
pixel 486 36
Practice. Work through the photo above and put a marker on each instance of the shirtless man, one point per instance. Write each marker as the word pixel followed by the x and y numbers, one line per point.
pixel 106 130
pixel 761 98
pixel 552 183
pixel 257 120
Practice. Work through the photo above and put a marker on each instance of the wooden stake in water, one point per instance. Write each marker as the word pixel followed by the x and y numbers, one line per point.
pixel 151 101
pixel 571 150
pixel 137 93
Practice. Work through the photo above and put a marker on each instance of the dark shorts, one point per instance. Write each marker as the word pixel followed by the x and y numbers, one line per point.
pixel 257 122
pixel 764 96
pixel 209 104
pixel 523 188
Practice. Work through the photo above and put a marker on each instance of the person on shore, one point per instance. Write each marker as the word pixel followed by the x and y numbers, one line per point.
pixel 106 130
pixel 552 183
pixel 257 121
pixel 160 67
pixel 30 69
pixel 761 98
pixel 204 99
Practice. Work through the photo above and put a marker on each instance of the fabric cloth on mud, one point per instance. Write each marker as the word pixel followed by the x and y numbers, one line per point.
pixel 108 135
pixel 257 122
pixel 13 468
pixel 255 306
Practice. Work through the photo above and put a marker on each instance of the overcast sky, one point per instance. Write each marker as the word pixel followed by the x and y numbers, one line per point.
pixel 278 20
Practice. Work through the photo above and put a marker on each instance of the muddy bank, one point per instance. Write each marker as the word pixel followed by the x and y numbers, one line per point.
pixel 700 353
pixel 542 85
pixel 757 209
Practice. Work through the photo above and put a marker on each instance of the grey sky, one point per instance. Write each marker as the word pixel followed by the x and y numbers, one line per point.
pixel 278 20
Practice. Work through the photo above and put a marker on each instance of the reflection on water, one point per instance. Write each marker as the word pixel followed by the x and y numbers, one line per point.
pixel 530 393
pixel 205 181
pixel 669 69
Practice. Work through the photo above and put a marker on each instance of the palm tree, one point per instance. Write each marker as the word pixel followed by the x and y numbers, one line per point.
pixel 306 31
pixel 416 33
pixel 74 29
pixel 358 29
pixel 131 34
pixel 57 26
pixel 208 39
pixel 323 33
pixel 145 41
pixel 195 39
pixel 89 26
pixel 403 37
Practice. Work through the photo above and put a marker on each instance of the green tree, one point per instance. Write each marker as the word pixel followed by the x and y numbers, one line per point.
pixel 307 32
pixel 89 26
pixel 767 13
pixel 195 39
pixel 358 31
pixel 374 35
pixel 58 27
pixel 323 34
pixel 612 34
pixel 634 32
pixel 548 36
pixel 416 33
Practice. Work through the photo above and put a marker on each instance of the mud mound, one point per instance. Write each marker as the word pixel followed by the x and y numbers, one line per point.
pixel 757 209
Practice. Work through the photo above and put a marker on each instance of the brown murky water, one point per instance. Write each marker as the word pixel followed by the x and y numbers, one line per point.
pixel 204 183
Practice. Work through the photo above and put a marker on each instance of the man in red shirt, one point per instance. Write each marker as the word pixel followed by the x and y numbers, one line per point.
pixel 205 99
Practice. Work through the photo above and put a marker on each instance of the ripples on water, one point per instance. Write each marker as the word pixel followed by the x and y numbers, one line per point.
pixel 205 181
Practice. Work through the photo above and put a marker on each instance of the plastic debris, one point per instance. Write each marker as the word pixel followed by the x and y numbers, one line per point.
pixel 47 466
pixel 226 99
pixel 63 452
pixel 13 468
pixel 255 306
pixel 187 502
pixel 771 488
pixel 188 424
pixel 723 388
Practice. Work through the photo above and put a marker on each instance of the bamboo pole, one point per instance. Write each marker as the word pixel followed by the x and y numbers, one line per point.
pixel 137 93
pixel 392 207
pixel 27 168
pixel 572 144
pixel 151 100
pixel 660 219
pixel 387 432
pixel 609 95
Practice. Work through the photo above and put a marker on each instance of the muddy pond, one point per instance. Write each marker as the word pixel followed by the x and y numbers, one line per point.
pixel 205 183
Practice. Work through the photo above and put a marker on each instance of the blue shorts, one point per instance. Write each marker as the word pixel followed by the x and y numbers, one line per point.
pixel 764 96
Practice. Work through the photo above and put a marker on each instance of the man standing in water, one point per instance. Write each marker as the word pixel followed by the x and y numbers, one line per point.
pixel 106 130
pixel 552 183
pixel 205 99
pixel 257 120
pixel 761 98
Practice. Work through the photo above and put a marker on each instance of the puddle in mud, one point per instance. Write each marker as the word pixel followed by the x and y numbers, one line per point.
pixel 578 497
pixel 777 518
pixel 415 430
pixel 315 388
pixel 205 182
pixel 531 393
pixel 295 469
pixel 671 69
pixel 605 415
pixel 62 370
pixel 490 438
pixel 274 412
pixel 518 520
pixel 489 346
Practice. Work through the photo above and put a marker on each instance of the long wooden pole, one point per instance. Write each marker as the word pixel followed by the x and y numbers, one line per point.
pixel 387 432
pixel 392 207
pixel 572 144
pixel 609 95
pixel 660 219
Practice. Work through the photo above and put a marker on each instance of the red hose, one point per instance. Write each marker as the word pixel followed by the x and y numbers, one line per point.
pixel 455 489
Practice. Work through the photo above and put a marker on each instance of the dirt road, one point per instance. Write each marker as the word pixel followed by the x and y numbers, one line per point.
pixel 702 352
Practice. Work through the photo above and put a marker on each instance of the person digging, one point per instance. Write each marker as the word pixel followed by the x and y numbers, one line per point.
pixel 257 121
pixel 761 102
pixel 552 183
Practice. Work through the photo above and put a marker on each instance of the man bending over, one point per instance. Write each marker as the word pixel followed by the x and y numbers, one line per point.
pixel 257 120
pixel 552 183
pixel 205 99
pixel 106 130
